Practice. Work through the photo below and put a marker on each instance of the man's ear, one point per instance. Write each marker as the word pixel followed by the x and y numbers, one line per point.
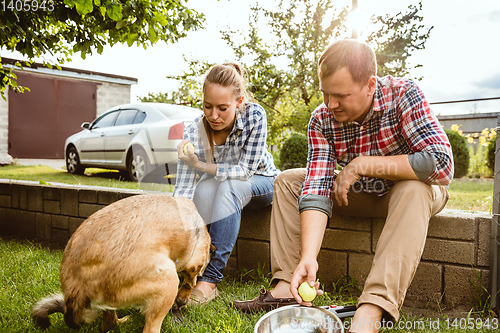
pixel 372 85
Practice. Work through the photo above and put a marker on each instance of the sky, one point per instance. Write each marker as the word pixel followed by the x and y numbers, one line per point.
pixel 460 60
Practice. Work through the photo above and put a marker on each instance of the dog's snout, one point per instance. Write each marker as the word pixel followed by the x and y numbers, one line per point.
pixel 180 302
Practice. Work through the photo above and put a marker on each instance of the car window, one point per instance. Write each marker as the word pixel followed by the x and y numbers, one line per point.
pixel 140 117
pixel 105 120
pixel 126 117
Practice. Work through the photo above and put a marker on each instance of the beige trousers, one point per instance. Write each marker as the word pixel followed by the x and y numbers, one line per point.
pixel 407 207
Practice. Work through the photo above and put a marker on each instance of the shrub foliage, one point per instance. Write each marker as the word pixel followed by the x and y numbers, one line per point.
pixel 461 155
pixel 293 154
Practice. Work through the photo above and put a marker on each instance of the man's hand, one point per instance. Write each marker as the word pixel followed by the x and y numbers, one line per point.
pixel 344 180
pixel 305 272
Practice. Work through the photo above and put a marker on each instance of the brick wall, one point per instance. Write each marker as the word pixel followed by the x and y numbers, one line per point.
pixel 456 251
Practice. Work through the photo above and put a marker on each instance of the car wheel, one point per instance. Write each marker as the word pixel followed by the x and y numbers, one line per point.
pixel 137 165
pixel 73 162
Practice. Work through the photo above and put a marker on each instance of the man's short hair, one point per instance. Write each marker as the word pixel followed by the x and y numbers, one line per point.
pixel 358 57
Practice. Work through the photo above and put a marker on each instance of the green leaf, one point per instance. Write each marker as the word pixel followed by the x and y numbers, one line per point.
pixel 83 7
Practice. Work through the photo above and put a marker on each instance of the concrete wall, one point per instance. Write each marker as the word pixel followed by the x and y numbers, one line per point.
pixel 111 94
pixel 458 244
pixel 4 123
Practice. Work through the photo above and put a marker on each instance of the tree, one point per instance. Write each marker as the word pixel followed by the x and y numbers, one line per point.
pixel 299 30
pixel 61 28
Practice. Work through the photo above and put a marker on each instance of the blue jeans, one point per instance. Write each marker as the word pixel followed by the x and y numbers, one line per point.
pixel 220 205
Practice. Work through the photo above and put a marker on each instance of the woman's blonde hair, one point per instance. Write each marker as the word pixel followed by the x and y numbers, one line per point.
pixel 358 57
pixel 227 75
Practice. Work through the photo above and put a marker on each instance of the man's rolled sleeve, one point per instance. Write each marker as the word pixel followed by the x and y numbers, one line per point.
pixel 315 202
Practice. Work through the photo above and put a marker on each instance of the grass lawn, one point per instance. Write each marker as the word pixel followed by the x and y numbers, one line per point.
pixel 465 194
pixel 29 272
pixel 92 177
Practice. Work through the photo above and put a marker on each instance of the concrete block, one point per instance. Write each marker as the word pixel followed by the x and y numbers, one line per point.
pixel 463 285
pixel 359 267
pixel 51 193
pixel 5 189
pixel 108 197
pixel 427 283
pixel 332 266
pixel 255 224
pixel 60 222
pixel 52 206
pixel 452 227
pixel 15 196
pixel 6 201
pixel 483 241
pixel 85 209
pixel 448 251
pixel 19 223
pixel 350 222
pixel 43 226
pixel 346 240
pixel 259 258
pixel 60 236
pixel 88 196
pixel 2 219
pixel 23 197
pixel 231 268
pixel 69 202
pixel 74 223
pixel 35 198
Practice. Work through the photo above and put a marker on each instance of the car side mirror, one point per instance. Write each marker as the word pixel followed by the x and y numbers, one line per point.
pixel 85 126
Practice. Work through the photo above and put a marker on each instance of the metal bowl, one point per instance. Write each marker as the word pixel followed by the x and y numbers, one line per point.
pixel 294 319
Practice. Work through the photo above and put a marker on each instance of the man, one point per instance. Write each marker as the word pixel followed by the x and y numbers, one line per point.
pixel 397 163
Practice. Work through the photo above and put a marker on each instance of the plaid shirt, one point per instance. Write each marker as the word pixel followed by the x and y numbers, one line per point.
pixel 243 155
pixel 399 122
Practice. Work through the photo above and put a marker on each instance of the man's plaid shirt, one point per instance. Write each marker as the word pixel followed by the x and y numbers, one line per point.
pixel 399 122
pixel 243 155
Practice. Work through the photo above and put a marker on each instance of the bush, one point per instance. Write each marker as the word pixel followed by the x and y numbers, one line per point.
pixel 461 155
pixel 293 154
pixel 490 153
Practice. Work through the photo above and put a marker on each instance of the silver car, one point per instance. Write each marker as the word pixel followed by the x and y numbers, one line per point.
pixel 133 138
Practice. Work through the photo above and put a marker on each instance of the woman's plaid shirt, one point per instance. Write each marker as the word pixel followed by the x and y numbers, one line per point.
pixel 399 122
pixel 243 155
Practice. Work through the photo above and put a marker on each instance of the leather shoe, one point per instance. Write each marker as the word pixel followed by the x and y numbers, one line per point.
pixel 265 301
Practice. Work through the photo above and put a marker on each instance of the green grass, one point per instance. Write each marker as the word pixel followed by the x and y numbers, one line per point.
pixel 92 177
pixel 471 195
pixel 29 272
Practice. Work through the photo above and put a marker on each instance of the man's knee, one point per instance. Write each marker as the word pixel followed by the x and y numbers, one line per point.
pixel 289 180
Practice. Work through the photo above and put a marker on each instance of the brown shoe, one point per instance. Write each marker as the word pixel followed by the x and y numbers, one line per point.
pixel 265 301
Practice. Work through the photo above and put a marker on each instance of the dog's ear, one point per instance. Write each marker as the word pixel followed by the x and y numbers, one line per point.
pixel 212 250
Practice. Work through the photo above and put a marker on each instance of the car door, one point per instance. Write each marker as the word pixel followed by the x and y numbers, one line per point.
pixel 92 141
pixel 118 137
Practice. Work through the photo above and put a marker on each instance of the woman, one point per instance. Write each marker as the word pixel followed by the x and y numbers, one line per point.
pixel 230 156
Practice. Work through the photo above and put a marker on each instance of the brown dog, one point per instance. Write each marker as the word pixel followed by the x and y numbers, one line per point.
pixel 129 254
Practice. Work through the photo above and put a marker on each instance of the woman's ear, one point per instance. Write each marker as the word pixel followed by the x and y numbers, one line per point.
pixel 242 98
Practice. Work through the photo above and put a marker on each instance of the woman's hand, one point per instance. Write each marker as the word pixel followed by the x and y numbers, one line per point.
pixel 191 159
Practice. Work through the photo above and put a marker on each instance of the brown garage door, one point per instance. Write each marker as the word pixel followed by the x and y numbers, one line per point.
pixel 42 119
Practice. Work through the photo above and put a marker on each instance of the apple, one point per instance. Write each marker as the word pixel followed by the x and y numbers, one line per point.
pixel 186 150
pixel 307 292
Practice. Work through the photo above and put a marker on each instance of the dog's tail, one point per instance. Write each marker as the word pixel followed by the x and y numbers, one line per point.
pixel 46 307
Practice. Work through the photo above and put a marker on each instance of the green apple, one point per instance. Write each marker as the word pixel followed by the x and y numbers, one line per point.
pixel 186 150
pixel 307 292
